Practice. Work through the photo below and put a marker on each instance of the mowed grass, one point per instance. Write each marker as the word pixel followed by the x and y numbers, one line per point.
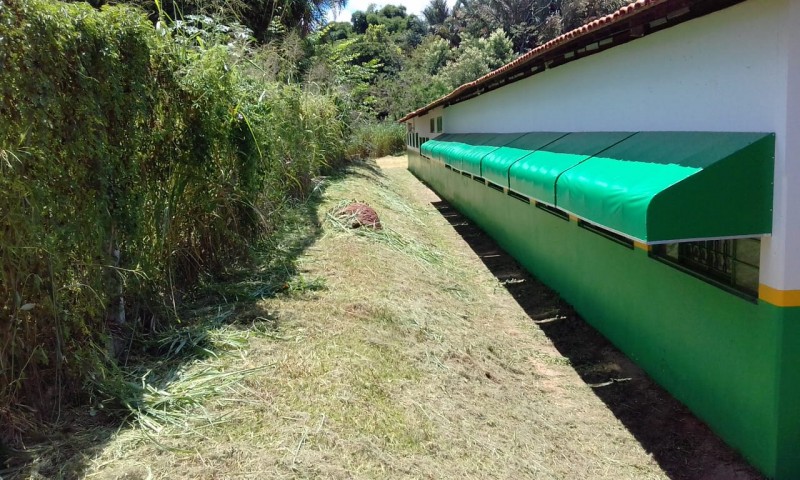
pixel 392 354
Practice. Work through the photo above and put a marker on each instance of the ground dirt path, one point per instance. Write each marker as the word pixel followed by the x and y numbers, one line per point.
pixel 423 352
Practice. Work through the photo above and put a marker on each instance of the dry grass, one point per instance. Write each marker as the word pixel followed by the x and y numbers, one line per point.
pixel 401 367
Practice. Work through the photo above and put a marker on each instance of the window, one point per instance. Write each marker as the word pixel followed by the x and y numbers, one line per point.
pixel 732 264
pixel 432 125
pixel 439 125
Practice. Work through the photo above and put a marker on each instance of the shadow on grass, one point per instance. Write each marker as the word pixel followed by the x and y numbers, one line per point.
pixel 683 446
pixel 155 362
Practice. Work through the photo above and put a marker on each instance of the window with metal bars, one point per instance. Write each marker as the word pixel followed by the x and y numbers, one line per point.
pixel 438 124
pixel 732 264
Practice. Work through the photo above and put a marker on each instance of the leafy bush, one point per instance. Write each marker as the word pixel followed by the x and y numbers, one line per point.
pixel 133 164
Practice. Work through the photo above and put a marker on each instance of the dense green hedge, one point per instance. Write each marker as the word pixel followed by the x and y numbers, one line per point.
pixel 131 166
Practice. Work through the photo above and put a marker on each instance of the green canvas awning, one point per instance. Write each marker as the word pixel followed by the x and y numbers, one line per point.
pixel 535 175
pixel 495 164
pixel 429 148
pixel 471 158
pixel 462 146
pixel 658 187
pixel 655 187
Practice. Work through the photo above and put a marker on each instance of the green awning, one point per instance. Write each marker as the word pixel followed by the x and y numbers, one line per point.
pixel 463 146
pixel 535 175
pixel 471 158
pixel 654 187
pixel 666 186
pixel 429 148
pixel 495 165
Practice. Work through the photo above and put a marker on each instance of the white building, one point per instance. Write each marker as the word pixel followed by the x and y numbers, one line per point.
pixel 656 149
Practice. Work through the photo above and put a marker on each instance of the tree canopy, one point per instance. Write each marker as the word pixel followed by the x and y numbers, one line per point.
pixel 386 61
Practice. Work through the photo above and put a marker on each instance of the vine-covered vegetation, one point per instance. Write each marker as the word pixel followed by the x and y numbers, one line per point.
pixel 136 162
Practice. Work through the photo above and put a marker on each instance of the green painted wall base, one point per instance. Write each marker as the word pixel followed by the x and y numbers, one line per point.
pixel 733 362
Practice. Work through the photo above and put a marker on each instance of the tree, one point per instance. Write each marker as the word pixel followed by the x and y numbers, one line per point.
pixel 335 31
pixel 476 57
pixel 267 19
pixel 359 21
pixel 520 19
pixel 552 27
pixel 377 44
pixel 578 12
pixel 431 56
pixel 404 29
pixel 436 13
pixel 300 15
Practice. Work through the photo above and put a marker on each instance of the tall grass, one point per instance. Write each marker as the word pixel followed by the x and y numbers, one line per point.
pixel 134 164
pixel 375 140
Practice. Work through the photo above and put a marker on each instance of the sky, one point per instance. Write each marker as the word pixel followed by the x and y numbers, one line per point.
pixel 412 6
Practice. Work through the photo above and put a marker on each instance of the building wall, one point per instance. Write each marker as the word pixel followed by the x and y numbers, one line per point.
pixel 728 71
pixel 731 361
pixel 721 72
pixel 422 124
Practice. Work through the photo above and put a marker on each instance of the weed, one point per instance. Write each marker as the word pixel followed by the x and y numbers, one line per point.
pixel 375 140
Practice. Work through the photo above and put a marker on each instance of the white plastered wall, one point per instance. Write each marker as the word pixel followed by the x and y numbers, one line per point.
pixel 422 124
pixel 733 70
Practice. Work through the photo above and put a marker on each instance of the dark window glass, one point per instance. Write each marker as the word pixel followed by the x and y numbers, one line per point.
pixel 731 263
pixel 439 125
pixel 553 210
pixel 521 198
pixel 614 236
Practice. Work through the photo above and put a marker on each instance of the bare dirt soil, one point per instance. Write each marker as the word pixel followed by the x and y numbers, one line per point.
pixel 422 351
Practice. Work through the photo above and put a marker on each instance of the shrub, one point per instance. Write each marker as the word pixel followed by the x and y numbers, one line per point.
pixel 133 164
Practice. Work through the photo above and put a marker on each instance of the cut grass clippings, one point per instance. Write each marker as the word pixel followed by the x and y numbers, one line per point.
pixel 395 354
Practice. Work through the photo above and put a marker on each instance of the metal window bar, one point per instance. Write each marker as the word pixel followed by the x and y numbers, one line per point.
pixel 720 261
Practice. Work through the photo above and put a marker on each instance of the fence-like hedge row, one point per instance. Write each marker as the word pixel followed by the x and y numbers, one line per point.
pixel 130 166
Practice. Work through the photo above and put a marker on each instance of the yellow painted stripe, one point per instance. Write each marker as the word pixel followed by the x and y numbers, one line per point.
pixel 780 298
pixel 573 218
pixel 641 245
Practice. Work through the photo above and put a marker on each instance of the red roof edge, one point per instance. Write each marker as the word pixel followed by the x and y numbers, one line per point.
pixel 675 11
